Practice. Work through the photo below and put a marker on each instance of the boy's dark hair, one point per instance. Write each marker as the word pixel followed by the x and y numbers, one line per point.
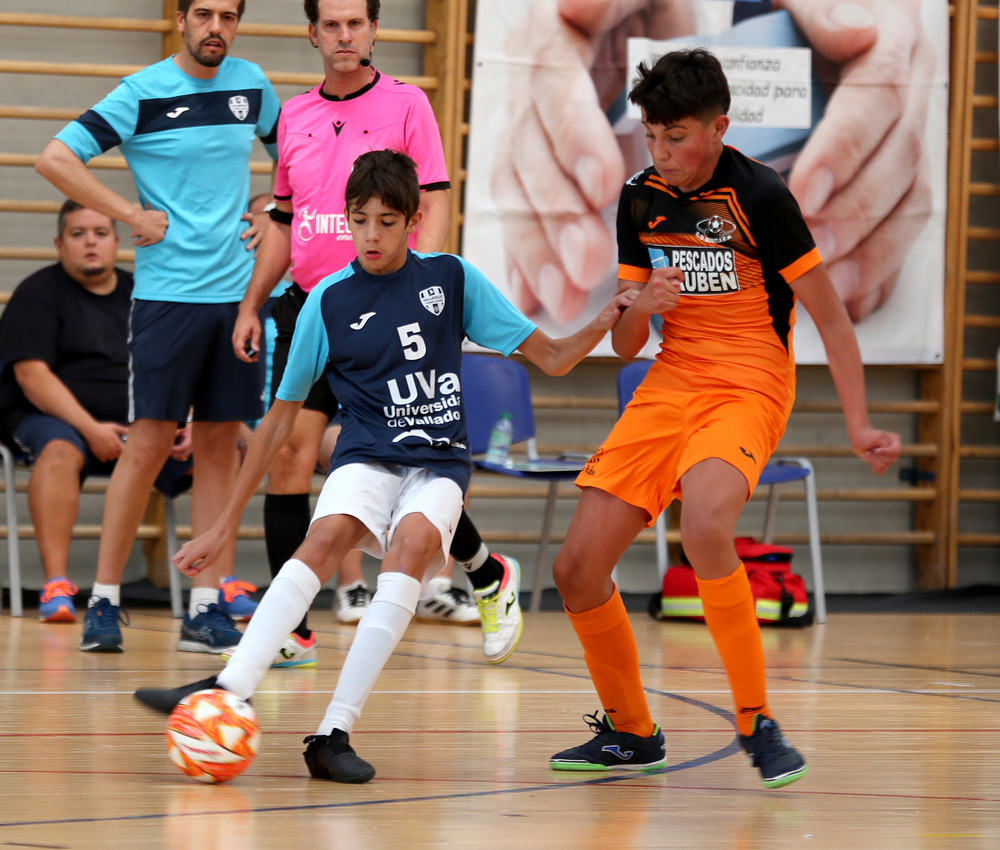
pixel 388 175
pixel 184 5
pixel 311 8
pixel 68 207
pixel 682 84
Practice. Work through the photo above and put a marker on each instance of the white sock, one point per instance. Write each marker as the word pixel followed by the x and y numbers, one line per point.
pixel 379 630
pixel 288 598
pixel 111 592
pixel 201 598
pixel 477 560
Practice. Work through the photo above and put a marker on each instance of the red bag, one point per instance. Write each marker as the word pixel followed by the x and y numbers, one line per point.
pixel 779 594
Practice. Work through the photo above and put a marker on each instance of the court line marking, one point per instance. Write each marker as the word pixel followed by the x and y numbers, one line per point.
pixel 530 789
pixel 828 690
pixel 604 780
pixel 963 671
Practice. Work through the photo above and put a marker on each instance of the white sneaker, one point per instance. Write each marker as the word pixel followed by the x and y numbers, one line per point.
pixel 500 612
pixel 447 604
pixel 295 652
pixel 352 602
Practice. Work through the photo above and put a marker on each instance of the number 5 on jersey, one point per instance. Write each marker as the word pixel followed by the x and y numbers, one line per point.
pixel 413 344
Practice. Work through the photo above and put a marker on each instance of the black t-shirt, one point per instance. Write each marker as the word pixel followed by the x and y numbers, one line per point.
pixel 83 338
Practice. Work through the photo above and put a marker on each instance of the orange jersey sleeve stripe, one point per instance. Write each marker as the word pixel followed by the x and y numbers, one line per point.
pixel 633 273
pixel 805 263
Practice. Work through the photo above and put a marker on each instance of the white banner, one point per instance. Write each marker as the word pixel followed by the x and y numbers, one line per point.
pixel 848 102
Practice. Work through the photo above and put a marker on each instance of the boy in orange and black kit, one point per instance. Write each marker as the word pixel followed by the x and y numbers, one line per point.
pixel 716 245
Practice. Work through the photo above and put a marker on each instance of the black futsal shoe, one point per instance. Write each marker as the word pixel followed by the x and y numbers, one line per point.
pixel 610 749
pixel 165 700
pixel 332 757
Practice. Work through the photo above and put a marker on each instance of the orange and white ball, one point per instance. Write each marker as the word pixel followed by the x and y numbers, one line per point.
pixel 213 736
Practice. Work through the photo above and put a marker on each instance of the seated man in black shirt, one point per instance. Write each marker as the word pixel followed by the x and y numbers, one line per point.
pixel 64 390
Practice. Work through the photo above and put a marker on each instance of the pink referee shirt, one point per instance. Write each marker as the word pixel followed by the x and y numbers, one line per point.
pixel 319 137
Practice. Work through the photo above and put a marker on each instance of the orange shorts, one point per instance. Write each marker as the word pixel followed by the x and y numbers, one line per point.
pixel 663 433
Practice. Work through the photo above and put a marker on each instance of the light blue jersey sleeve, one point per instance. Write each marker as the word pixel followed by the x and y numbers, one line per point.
pixel 267 125
pixel 490 320
pixel 107 125
pixel 310 349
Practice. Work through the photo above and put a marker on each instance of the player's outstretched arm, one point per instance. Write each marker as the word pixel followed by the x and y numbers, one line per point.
pixel 272 433
pixel 70 175
pixel 877 448
pixel 657 295
pixel 558 356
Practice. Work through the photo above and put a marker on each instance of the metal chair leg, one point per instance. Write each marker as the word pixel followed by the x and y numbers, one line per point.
pixel 543 547
pixel 13 541
pixel 170 523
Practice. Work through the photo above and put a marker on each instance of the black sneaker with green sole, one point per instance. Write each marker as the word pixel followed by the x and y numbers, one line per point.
pixel 778 761
pixel 610 749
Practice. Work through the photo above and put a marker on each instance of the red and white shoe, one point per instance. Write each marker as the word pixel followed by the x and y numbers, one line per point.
pixel 296 652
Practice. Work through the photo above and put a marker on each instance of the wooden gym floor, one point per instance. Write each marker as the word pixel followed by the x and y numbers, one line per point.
pixel 896 714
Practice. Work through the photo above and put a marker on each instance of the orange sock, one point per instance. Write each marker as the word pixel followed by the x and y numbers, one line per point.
pixel 613 661
pixel 732 619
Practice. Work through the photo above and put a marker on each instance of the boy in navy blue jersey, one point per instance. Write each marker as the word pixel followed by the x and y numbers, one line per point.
pixel 387 332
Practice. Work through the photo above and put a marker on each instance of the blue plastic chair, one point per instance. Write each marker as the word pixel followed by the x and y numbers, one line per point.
pixel 491 387
pixel 778 470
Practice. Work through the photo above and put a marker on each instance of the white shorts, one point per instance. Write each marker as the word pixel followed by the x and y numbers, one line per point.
pixel 381 494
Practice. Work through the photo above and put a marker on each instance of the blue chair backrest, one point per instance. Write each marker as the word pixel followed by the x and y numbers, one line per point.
pixel 492 386
pixel 629 378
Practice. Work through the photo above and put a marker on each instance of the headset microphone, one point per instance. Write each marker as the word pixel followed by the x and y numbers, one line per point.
pixel 366 62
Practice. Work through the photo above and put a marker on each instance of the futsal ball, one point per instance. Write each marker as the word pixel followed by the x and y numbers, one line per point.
pixel 212 736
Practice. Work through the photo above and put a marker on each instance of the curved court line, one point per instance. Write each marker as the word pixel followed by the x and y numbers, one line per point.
pixel 724 752
pixel 430 798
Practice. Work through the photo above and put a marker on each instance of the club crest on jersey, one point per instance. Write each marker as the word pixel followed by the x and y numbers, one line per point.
pixel 433 299
pixel 239 106
pixel 715 229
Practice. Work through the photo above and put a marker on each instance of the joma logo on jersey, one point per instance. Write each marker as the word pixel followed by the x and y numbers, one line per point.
pixel 707 271
pixel 433 299
pixel 313 223
pixel 715 230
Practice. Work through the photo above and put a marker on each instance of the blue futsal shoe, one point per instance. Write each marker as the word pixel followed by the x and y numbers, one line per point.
pixel 213 630
pixel 100 628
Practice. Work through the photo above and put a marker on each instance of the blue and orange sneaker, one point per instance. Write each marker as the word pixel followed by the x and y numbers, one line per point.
pixel 56 601
pixel 234 599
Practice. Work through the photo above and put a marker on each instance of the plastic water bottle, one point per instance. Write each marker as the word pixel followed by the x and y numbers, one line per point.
pixel 500 440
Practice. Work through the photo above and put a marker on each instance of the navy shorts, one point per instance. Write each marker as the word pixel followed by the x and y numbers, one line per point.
pixel 181 356
pixel 285 311
pixel 36 430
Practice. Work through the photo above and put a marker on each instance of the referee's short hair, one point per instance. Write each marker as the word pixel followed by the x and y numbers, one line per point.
pixel 388 175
